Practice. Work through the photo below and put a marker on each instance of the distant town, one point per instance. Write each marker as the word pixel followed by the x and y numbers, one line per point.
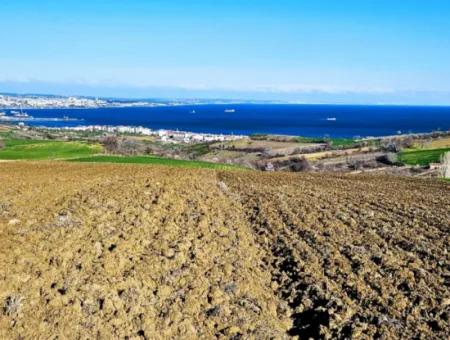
pixel 162 135
pixel 34 101
pixel 47 102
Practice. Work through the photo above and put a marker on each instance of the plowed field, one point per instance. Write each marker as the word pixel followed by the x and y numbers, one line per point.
pixel 138 252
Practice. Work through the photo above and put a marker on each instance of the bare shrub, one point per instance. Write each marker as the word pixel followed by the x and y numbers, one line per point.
pixel 408 142
pixel 113 144
pixel 370 164
pixel 130 147
pixel 391 145
pixel 298 164
pixel 355 164
pixel 12 305
pixel 110 143
pixel 389 158
pixel 269 167
pixel 397 144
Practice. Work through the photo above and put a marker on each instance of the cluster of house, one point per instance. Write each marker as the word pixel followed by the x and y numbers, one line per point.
pixel 135 130
pixel 166 136
pixel 49 102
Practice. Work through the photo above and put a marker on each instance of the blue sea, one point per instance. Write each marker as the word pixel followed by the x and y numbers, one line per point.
pixel 304 120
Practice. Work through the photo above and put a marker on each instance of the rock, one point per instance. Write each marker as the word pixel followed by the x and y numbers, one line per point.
pixel 222 186
pixel 164 292
pixel 13 222
pixel 228 269
pixel 98 249
pixel 223 231
pixel 169 253
pixel 233 330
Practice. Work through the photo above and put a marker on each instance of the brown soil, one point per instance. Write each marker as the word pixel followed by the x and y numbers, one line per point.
pixel 112 251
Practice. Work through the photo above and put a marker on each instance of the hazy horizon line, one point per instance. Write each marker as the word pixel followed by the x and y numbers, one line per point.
pixel 309 96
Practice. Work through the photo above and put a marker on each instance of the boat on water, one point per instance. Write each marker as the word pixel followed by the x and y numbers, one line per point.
pixel 20 114
pixel 331 119
pixel 193 111
pixel 230 111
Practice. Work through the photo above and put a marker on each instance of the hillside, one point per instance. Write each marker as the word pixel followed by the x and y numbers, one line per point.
pixel 147 252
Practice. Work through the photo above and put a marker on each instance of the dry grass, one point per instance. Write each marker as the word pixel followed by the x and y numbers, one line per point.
pixel 439 143
pixel 247 143
pixel 4 128
pixel 328 154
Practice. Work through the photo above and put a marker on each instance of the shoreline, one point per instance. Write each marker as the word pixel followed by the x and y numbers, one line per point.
pixel 152 132
pixel 117 105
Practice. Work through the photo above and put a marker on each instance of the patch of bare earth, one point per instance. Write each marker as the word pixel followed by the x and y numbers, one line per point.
pixel 118 251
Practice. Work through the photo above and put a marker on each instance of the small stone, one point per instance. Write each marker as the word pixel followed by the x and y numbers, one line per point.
pixel 98 249
pixel 164 292
pixel 228 269
pixel 216 296
pixel 223 231
pixel 169 253
pixel 222 186
pixel 233 330
pixel 14 221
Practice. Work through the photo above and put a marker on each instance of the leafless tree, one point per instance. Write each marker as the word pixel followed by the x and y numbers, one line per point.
pixel 355 164
pixel 445 165
pixel 391 145
pixel 298 164
pixel 110 143
pixel 130 147
pixel 408 142
pixel 390 158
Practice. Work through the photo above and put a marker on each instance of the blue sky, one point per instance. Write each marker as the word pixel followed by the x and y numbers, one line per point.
pixel 392 51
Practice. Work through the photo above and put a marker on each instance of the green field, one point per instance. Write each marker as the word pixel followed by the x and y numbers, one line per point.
pixel 422 157
pixel 342 142
pixel 23 149
pixel 27 149
pixel 336 143
pixel 154 160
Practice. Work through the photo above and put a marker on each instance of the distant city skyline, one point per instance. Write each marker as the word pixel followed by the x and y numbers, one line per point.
pixel 314 51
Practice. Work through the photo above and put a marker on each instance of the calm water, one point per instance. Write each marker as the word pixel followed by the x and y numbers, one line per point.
pixel 305 120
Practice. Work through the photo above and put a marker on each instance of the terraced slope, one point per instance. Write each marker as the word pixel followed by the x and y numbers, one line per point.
pixel 122 251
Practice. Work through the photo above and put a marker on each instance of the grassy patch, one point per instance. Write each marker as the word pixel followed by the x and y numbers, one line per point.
pixel 16 142
pixel 335 142
pixel 422 157
pixel 342 142
pixel 155 160
pixel 309 140
pixel 27 149
pixel 197 150
pixel 46 150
